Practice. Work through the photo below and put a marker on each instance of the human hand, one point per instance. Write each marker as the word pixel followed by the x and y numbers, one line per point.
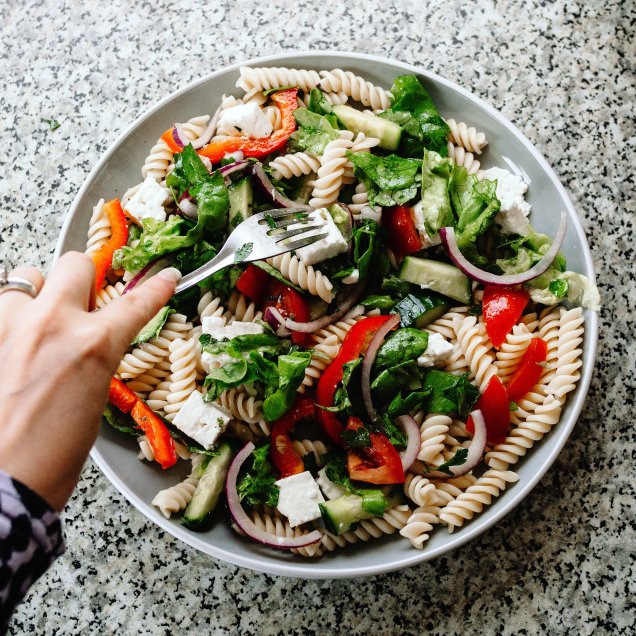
pixel 56 361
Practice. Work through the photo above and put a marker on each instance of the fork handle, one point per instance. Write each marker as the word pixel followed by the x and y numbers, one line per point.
pixel 223 259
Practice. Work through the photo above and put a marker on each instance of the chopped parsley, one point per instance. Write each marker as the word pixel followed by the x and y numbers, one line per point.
pixel 243 252
pixel 53 124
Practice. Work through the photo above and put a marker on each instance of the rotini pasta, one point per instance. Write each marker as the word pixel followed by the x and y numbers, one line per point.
pixel 511 351
pixel 306 446
pixel 264 79
pixel 419 490
pixel 332 168
pixel 294 164
pixel 98 228
pixel 182 375
pixel 474 344
pixel 466 136
pixel 356 87
pixel 242 405
pixel 420 524
pixel 461 157
pixel 305 276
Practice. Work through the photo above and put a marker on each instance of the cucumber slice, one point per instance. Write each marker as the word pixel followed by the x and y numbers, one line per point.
pixel 201 506
pixel 386 131
pixel 340 514
pixel 241 196
pixel 439 277
pixel 421 309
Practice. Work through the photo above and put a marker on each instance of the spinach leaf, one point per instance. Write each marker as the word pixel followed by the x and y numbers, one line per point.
pixel 291 371
pixel 384 303
pixel 449 393
pixel 367 246
pixel 257 487
pixel 314 132
pixel 343 399
pixel 436 206
pixel 356 439
pixel 395 287
pixel 401 346
pixel 402 403
pixel 390 180
pixel 120 421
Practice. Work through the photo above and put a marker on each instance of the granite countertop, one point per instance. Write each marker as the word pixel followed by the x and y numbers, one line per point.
pixel 563 561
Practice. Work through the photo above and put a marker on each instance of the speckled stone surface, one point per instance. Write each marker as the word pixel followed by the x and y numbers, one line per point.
pixel 563 562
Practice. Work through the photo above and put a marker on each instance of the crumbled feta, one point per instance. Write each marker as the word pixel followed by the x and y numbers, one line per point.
pixel 248 120
pixel 417 214
pixel 332 245
pixel 514 210
pixel 330 489
pixel 202 421
pixel 217 328
pixel 298 498
pixel 353 278
pixel 148 202
pixel 438 349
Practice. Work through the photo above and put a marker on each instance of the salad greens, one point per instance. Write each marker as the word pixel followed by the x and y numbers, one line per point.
pixel 314 131
pixel 257 485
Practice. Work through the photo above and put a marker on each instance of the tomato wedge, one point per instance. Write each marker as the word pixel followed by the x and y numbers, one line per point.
pixel 358 337
pixel 254 283
pixel 290 304
pixel 379 463
pixel 502 308
pixel 401 231
pixel 529 369
pixel 495 407
pixel 284 457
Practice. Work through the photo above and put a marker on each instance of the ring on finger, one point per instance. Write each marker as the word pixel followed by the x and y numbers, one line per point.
pixel 16 283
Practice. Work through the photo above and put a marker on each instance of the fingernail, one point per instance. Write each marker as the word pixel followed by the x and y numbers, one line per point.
pixel 171 274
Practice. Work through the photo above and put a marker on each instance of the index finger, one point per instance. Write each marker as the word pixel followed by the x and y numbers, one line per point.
pixel 72 279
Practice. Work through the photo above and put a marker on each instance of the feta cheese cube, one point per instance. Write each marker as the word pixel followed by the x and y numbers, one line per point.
pixel 330 489
pixel 202 421
pixel 438 349
pixel 298 498
pixel 247 120
pixel 514 210
pixel 148 202
pixel 417 213
pixel 332 245
pixel 217 328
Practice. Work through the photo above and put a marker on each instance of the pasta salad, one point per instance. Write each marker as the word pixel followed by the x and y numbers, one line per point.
pixel 385 379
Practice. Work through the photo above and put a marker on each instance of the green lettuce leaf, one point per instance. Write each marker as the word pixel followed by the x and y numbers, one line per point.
pixel 257 486
pixel 402 345
pixel 449 393
pixel 314 132
pixel 436 205
pixel 390 180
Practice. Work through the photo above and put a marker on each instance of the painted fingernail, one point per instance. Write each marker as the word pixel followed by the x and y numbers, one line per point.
pixel 171 274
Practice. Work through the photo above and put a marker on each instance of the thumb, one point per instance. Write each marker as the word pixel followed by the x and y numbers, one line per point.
pixel 128 314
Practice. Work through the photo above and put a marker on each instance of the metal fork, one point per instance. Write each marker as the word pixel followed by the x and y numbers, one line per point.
pixel 261 236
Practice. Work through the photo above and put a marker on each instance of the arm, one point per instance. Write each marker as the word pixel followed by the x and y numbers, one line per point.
pixel 56 363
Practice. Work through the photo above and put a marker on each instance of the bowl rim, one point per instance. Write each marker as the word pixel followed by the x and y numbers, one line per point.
pixel 558 437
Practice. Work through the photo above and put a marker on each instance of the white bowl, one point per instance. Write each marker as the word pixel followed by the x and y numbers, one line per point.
pixel 120 168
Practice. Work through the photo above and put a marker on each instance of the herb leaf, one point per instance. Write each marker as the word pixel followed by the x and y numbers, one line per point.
pixel 243 252
pixel 53 124
pixel 457 459
pixel 257 486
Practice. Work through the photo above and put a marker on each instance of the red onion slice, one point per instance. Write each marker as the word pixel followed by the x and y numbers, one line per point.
pixel 242 520
pixel 276 321
pixel 272 193
pixel 179 136
pixel 148 271
pixel 237 166
pixel 206 135
pixel 481 276
pixel 369 358
pixel 325 321
pixel 412 432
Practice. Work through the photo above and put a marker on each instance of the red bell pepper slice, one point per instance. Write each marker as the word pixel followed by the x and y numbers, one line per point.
pixel 290 304
pixel 529 370
pixel 495 407
pixel 401 231
pixel 103 257
pixel 149 422
pixel 158 435
pixel 168 138
pixel 121 396
pixel 284 457
pixel 261 147
pixel 359 335
pixel 502 308
pixel 379 463
pixel 254 283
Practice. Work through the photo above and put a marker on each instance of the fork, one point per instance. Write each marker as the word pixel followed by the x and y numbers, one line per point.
pixel 261 236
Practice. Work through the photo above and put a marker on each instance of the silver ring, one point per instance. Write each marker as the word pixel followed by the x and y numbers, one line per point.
pixel 15 283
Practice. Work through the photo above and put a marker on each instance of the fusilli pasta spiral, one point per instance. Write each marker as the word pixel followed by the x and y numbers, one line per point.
pixel 305 276
pixel 305 446
pixel 241 309
pixel 419 490
pixel 322 355
pixel 294 164
pixel 360 206
pixel 98 228
pixel 242 405
pixel 461 157
pixel 466 136
pixel 182 375
pixel 332 167
pixel 474 343
pixel 266 78
pixel 356 87
pixel 568 355
pixel 511 351
pixel 420 524
pixel 433 430
pixel 108 294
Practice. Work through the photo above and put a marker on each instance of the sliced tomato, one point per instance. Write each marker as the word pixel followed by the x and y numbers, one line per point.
pixel 352 346
pixel 401 231
pixel 495 407
pixel 254 283
pixel 284 457
pixel 290 304
pixel 529 370
pixel 379 463
pixel 502 308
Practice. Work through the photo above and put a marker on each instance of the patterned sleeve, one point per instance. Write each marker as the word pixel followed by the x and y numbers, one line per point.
pixel 30 540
